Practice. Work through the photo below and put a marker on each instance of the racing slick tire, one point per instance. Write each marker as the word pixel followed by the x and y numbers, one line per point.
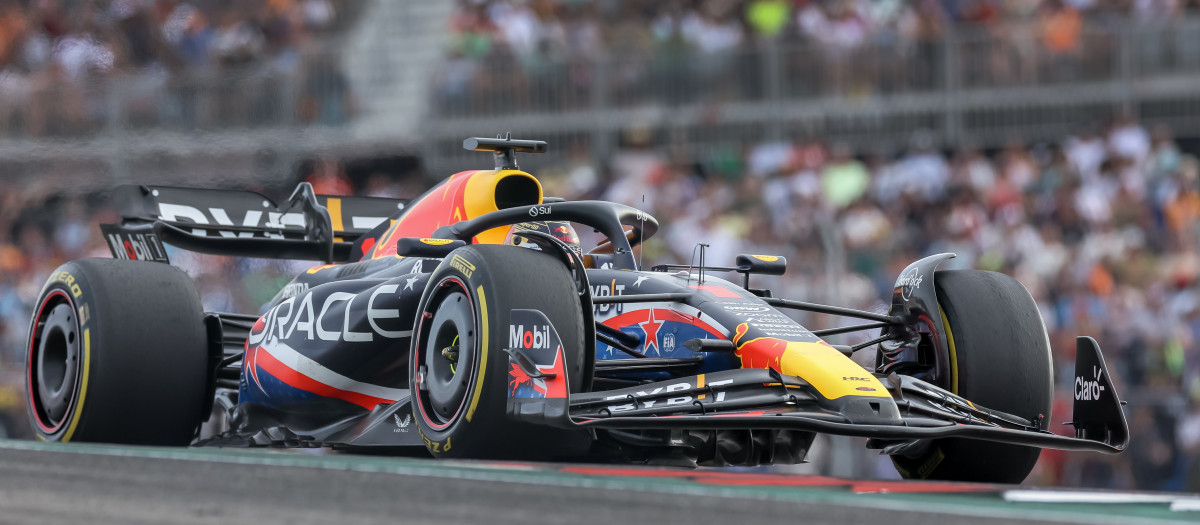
pixel 460 410
pixel 117 354
pixel 999 358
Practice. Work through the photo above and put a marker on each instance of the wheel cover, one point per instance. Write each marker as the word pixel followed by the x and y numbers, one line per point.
pixel 54 360
pixel 445 359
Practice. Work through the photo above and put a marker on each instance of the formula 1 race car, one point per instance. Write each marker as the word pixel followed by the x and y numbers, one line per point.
pixel 467 323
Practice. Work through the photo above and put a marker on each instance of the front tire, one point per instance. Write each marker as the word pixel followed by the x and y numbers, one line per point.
pixel 117 354
pixel 999 358
pixel 458 363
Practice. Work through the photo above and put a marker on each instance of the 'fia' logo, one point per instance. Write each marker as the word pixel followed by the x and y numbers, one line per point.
pixel 668 342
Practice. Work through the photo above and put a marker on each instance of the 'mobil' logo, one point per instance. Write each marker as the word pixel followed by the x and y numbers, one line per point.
pixel 535 338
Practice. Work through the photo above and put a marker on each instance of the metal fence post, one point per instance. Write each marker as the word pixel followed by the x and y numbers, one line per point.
pixel 1125 70
pixel 602 143
pixel 951 82
pixel 772 65
pixel 114 128
pixel 834 247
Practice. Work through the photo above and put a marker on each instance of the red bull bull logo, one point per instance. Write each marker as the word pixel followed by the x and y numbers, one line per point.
pixel 761 352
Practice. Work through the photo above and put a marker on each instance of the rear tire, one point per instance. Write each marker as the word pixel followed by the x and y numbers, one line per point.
pixel 460 410
pixel 1000 359
pixel 117 354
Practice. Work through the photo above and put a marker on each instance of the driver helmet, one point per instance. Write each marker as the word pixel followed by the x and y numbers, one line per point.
pixel 561 230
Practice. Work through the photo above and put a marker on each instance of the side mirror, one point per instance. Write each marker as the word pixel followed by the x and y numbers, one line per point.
pixel 761 264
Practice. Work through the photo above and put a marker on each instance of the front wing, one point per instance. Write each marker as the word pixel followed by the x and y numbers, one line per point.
pixel 766 399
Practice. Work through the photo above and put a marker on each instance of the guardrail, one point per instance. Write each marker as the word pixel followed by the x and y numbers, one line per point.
pixel 297 90
pixel 974 86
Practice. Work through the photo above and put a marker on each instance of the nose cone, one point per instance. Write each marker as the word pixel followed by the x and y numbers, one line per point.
pixel 841 384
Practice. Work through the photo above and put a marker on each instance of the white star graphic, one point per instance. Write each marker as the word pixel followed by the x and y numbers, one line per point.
pixel 638 282
pixel 408 284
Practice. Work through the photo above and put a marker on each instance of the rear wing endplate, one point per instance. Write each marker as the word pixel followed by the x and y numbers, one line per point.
pixel 242 223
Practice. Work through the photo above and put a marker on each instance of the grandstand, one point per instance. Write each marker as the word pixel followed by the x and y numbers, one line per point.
pixel 393 77
pixel 286 79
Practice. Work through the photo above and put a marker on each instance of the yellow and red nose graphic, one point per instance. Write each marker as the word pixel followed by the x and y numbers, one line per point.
pixel 826 369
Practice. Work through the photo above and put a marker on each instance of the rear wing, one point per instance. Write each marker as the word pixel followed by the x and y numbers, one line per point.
pixel 242 223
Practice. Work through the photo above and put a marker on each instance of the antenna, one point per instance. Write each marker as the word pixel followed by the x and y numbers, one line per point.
pixel 642 233
pixel 692 263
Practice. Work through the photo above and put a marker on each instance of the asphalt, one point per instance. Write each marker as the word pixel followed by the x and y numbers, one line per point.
pixel 74 483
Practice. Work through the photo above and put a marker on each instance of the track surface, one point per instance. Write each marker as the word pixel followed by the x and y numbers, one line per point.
pixel 52 483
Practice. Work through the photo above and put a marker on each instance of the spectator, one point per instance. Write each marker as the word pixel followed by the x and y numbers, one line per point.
pixel 327 178
pixel 1061 26
pixel 1128 140
pixel 844 179
pixel 768 17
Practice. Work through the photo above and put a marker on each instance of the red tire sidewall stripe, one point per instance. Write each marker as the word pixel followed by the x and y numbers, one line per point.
pixel 30 355
pixel 417 362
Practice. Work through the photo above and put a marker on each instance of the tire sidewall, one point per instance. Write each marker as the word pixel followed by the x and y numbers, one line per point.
pixel 143 373
pixel 465 266
pixel 482 428
pixel 67 279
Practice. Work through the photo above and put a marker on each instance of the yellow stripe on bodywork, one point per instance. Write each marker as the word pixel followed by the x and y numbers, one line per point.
pixel 335 215
pixel 953 353
pixel 318 268
pixel 827 370
pixel 83 385
pixel 700 384
pixel 483 352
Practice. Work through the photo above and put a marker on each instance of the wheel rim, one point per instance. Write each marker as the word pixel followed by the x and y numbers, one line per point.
pixel 54 360
pixel 446 354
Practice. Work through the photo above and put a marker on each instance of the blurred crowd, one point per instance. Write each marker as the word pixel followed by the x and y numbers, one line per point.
pixel 1102 228
pixel 483 28
pixel 533 53
pixel 55 53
